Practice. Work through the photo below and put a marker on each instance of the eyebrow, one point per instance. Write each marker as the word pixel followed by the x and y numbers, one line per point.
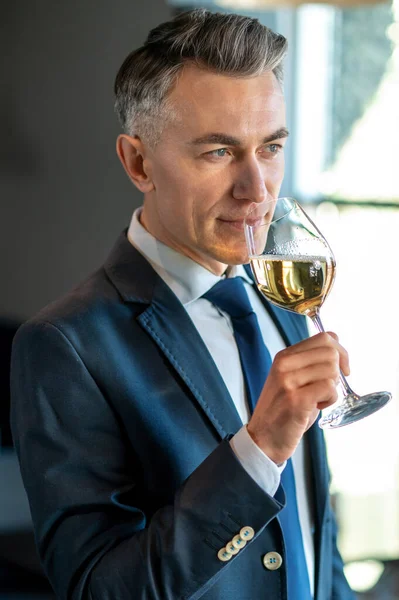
pixel 228 140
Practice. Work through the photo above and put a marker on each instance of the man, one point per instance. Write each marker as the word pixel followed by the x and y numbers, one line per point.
pixel 131 395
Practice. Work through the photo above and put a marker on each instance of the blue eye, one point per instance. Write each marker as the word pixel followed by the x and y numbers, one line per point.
pixel 274 148
pixel 220 152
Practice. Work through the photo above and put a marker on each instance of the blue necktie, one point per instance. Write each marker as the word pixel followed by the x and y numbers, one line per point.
pixel 230 296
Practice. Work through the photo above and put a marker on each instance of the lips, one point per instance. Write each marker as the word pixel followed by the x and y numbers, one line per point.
pixel 256 221
pixel 239 223
pixel 236 223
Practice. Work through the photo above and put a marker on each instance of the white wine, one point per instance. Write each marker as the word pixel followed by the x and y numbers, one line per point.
pixel 299 284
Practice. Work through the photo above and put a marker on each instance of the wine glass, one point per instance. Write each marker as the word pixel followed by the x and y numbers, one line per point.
pixel 294 268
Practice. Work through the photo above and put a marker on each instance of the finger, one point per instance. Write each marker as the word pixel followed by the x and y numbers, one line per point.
pixel 314 341
pixel 323 405
pixel 320 393
pixel 344 362
pixel 295 356
pixel 320 371
pixel 287 363
pixel 333 335
pixel 314 415
pixel 344 357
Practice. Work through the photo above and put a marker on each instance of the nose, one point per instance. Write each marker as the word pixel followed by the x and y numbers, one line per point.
pixel 250 182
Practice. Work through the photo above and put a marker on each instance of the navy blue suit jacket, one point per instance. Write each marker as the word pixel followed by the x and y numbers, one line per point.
pixel 121 421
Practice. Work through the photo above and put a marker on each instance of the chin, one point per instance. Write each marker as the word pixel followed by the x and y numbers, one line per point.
pixel 231 257
pixel 226 249
pixel 238 260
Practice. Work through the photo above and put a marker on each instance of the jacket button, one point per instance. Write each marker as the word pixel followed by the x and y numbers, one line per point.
pixel 231 548
pixel 272 561
pixel 247 533
pixel 224 555
pixel 238 542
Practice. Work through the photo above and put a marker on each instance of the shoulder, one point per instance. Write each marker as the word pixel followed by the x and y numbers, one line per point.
pixel 89 311
pixel 74 314
pixel 90 297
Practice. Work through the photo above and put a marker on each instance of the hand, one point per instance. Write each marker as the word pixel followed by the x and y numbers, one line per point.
pixel 301 382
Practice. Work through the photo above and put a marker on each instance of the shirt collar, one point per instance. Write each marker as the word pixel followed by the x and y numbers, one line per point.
pixel 187 279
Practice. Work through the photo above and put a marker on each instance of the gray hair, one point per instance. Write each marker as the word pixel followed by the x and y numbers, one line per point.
pixel 229 44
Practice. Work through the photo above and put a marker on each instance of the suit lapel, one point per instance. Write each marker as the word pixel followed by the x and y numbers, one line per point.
pixel 164 319
pixel 321 496
pixel 168 323
pixel 321 476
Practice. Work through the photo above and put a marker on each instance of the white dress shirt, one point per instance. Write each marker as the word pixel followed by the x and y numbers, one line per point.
pixel 189 281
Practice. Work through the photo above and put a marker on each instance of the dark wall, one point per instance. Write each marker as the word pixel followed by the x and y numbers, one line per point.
pixel 64 197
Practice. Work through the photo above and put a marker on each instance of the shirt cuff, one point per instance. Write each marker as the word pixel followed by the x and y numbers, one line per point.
pixel 257 464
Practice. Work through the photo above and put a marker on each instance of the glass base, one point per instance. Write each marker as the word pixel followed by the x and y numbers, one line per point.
pixel 354 408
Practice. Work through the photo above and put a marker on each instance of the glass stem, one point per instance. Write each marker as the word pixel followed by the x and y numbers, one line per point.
pixel 345 385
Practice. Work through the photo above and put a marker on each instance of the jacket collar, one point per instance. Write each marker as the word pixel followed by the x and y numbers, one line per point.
pixel 167 322
pixel 130 272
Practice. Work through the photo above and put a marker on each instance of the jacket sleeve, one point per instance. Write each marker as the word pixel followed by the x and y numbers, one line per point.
pixel 94 536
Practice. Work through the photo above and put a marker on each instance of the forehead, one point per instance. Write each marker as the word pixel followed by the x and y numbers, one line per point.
pixel 204 101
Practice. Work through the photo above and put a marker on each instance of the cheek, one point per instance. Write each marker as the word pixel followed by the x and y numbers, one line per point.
pixel 181 199
pixel 193 192
pixel 275 174
pixel 171 188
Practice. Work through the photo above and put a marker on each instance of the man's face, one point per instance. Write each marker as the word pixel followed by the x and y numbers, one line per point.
pixel 222 154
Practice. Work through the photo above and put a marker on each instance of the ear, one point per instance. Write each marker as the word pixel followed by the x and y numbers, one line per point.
pixel 131 153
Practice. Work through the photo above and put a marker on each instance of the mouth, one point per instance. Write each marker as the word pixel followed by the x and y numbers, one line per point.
pixel 239 223
pixel 234 223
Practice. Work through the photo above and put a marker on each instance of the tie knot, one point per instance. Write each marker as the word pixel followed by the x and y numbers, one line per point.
pixel 230 296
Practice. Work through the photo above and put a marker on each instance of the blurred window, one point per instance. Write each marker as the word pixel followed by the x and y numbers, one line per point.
pixel 342 91
pixel 347 101
pixel 345 161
